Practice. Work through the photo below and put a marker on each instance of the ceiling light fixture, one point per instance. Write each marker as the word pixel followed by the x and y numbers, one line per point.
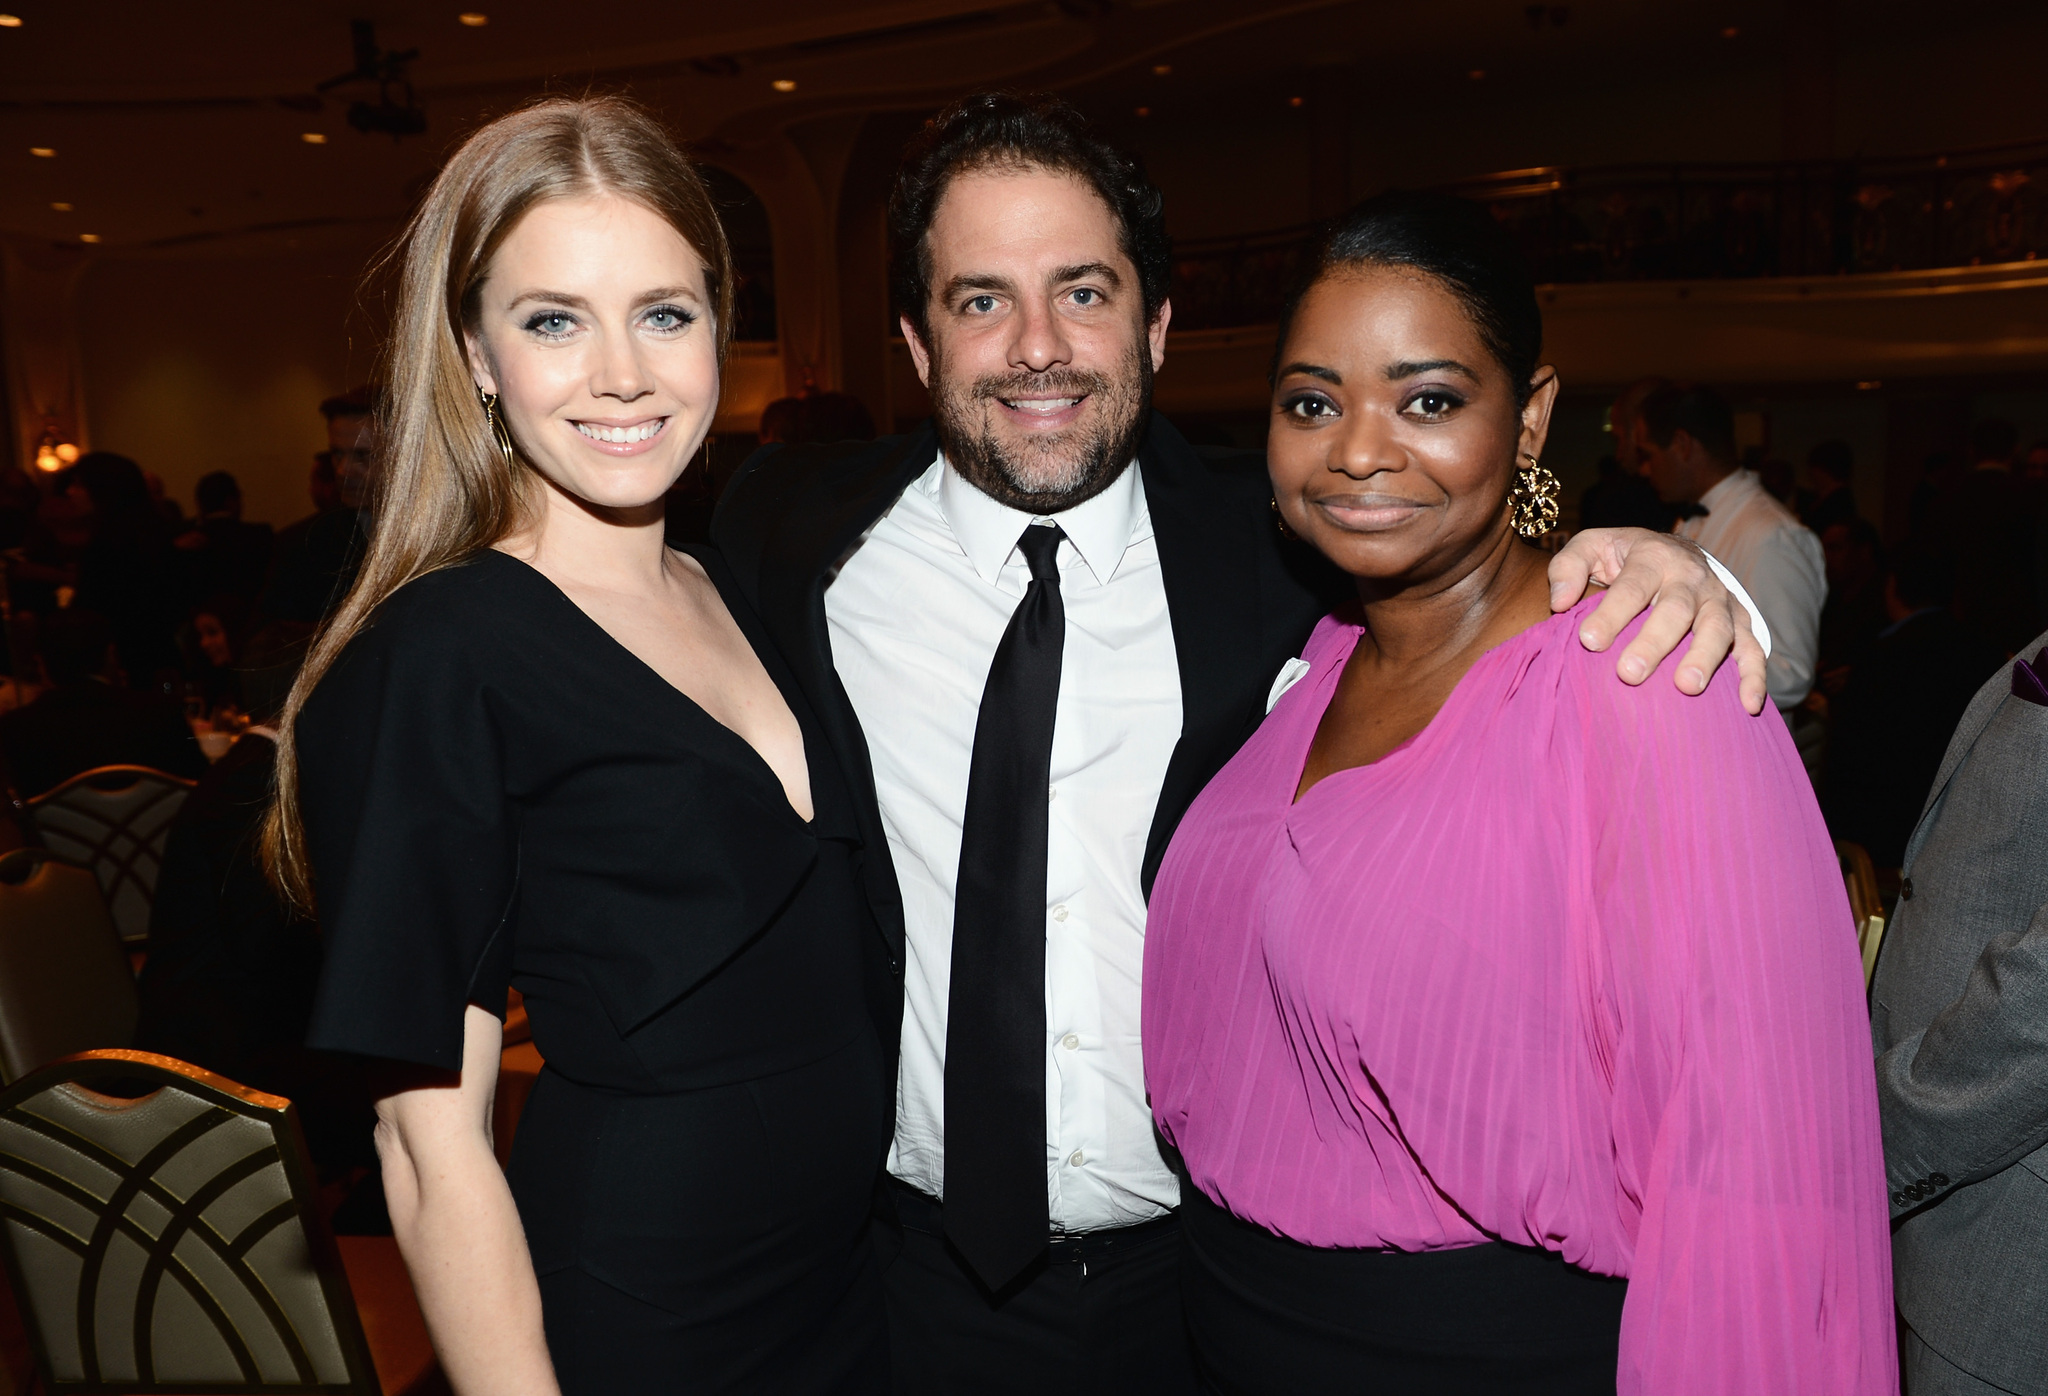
pixel 1160 70
pixel 43 152
pixel 88 237
pixel 10 21
pixel 313 137
pixel 784 84
pixel 61 208
pixel 473 19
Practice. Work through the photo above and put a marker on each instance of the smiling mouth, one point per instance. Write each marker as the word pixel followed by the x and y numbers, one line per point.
pixel 1041 406
pixel 622 436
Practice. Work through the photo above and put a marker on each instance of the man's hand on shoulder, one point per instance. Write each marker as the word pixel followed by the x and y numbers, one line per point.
pixel 1669 577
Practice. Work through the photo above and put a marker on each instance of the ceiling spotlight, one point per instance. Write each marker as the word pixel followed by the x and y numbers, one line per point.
pixel 1730 32
pixel 784 84
pixel 1477 75
pixel 474 19
pixel 88 237
pixel 61 208
pixel 43 152
pixel 1160 70
pixel 1295 101
pixel 313 137
pixel 10 21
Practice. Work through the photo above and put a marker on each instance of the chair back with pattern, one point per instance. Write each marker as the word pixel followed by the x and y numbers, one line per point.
pixel 169 1242
pixel 114 819
pixel 1866 905
pixel 65 985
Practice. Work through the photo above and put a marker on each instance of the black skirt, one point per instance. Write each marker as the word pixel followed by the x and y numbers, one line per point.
pixel 1271 1315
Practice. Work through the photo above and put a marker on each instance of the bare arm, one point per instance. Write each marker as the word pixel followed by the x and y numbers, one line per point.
pixel 458 1230
pixel 1643 570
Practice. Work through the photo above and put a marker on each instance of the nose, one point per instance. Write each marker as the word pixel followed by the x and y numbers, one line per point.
pixel 618 372
pixel 1363 445
pixel 1039 339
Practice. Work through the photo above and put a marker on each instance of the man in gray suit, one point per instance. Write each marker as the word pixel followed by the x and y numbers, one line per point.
pixel 1959 1015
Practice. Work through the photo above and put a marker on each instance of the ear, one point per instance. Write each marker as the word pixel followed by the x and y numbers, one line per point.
pixel 920 356
pixel 1536 414
pixel 479 363
pixel 1156 332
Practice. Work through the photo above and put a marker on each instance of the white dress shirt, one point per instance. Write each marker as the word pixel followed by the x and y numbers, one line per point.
pixel 1779 563
pixel 916 612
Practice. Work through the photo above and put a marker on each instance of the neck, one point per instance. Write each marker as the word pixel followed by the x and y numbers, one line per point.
pixel 1497 592
pixel 1710 474
pixel 622 550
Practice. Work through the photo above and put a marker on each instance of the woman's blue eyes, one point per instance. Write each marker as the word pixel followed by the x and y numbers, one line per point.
pixel 559 324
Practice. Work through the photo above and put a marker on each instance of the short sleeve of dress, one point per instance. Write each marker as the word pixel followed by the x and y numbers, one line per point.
pixel 411 837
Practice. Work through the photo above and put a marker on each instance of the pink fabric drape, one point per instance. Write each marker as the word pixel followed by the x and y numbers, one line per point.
pixel 1574 968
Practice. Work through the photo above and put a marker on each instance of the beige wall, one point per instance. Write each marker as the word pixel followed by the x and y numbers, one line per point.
pixel 194 365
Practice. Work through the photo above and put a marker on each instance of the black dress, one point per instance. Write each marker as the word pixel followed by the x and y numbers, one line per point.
pixel 495 791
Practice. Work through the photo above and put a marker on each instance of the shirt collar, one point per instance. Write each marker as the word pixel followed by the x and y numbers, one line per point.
pixel 1100 528
pixel 1729 490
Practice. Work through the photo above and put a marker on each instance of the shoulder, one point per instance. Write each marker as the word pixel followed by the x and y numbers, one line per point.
pixel 1622 718
pixel 441 632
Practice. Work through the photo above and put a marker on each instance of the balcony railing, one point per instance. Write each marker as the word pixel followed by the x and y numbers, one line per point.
pixel 1695 222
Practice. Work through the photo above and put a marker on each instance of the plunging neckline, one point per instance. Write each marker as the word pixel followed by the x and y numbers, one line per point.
pixel 758 762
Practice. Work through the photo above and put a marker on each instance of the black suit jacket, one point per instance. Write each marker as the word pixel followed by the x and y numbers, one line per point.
pixel 1242 601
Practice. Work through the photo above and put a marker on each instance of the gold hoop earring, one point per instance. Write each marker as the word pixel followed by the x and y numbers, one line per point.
pixel 1280 519
pixel 499 433
pixel 1532 506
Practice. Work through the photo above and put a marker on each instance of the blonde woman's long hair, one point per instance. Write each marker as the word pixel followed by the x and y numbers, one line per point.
pixel 445 491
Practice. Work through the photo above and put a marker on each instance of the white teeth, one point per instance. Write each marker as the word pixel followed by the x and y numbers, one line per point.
pixel 621 435
pixel 1042 404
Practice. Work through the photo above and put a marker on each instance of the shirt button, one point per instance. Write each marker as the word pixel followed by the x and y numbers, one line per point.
pixel 1077 1158
pixel 1070 1042
pixel 1059 913
pixel 1906 890
pixel 1052 792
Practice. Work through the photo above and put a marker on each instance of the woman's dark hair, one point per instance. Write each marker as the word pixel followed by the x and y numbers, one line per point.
pixel 116 485
pixel 1007 131
pixel 1459 244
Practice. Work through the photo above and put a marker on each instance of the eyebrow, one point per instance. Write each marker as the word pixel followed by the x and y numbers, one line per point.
pixel 1083 270
pixel 1396 372
pixel 659 293
pixel 1328 375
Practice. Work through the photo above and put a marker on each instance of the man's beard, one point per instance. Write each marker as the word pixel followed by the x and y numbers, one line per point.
pixel 1054 474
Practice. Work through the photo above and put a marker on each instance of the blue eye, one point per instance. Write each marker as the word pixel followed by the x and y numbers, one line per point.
pixel 669 318
pixel 982 305
pixel 551 324
pixel 1087 295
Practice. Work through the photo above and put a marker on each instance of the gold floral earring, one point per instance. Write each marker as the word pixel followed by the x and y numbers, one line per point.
pixel 499 433
pixel 1533 503
pixel 1280 519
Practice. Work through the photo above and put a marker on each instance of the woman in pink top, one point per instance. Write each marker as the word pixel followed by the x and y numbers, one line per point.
pixel 1508 1021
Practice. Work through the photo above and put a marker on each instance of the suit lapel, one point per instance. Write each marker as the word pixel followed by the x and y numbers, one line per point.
pixel 1976 718
pixel 1208 561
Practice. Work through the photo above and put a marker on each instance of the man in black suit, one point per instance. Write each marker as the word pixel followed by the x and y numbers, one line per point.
pixel 1030 658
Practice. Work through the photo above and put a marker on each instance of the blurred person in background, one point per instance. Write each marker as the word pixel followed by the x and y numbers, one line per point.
pixel 782 421
pixel 1829 468
pixel 1856 608
pixel 223 553
pixel 1622 499
pixel 85 718
pixel 2034 465
pixel 212 641
pixel 316 560
pixel 1985 521
pixel 127 570
pixel 1781 483
pixel 1898 705
pixel 1685 437
pixel 167 508
pixel 816 417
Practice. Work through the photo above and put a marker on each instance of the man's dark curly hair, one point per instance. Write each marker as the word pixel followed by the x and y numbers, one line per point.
pixel 1011 131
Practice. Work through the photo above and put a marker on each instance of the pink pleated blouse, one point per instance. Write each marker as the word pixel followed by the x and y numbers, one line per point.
pixel 1572 968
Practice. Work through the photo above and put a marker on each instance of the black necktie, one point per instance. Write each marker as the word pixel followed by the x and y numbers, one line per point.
pixel 996 1211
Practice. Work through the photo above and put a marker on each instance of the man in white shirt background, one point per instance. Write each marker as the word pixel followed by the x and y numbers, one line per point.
pixel 1030 657
pixel 1685 439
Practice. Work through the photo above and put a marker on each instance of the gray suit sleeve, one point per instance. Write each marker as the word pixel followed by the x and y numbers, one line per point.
pixel 1967 1096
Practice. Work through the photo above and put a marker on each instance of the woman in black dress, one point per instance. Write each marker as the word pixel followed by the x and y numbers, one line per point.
pixel 536 748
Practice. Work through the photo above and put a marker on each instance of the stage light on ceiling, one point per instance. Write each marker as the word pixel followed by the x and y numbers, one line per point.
pixel 313 137
pixel 473 19
pixel 88 237
pixel 10 21
pixel 43 152
pixel 784 84
pixel 61 207
pixel 1160 70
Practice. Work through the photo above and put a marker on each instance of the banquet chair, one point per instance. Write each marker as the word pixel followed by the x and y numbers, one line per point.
pixel 169 1240
pixel 65 985
pixel 1866 906
pixel 114 819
